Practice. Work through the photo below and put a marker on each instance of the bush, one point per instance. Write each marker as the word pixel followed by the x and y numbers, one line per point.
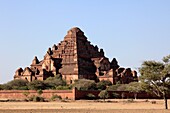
pixel 36 85
pixel 122 87
pixel 17 84
pixel 53 82
pixel 84 84
pixel 115 95
pixel 40 92
pixel 63 88
pixel 31 97
pixel 113 87
pixel 55 97
pixel 91 96
pixel 104 94
pixel 38 99
pixel 1 87
pixel 103 84
pixel 26 94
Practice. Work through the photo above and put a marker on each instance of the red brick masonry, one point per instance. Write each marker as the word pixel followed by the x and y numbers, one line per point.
pixel 70 94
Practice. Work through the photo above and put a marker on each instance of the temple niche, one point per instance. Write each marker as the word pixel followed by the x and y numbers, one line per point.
pixel 76 58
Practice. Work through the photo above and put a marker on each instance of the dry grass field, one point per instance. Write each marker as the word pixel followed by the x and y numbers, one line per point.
pixel 113 106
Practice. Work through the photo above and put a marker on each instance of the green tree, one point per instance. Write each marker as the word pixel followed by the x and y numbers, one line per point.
pixel 155 77
pixel 122 88
pixel 53 82
pixel 113 87
pixel 103 84
pixel 104 94
pixel 17 84
pixel 134 87
pixel 84 84
pixel 1 87
pixel 36 85
pixel 40 92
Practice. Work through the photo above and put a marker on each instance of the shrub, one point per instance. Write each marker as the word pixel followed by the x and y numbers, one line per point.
pixel 38 99
pixel 63 88
pixel 113 87
pixel 36 85
pixel 104 94
pixel 55 97
pixel 103 84
pixel 40 92
pixel 84 84
pixel 91 96
pixel 31 98
pixel 53 82
pixel 26 94
pixel 122 87
pixel 17 84
pixel 115 95
pixel 1 87
pixel 153 102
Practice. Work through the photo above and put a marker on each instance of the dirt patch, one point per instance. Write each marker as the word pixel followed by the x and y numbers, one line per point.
pixel 82 111
pixel 112 106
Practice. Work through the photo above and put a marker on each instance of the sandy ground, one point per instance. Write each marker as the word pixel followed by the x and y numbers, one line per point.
pixel 116 106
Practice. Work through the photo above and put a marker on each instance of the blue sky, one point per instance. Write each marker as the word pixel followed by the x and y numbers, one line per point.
pixel 130 30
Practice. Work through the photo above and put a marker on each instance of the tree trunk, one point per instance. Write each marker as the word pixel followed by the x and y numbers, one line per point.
pixel 135 95
pixel 165 100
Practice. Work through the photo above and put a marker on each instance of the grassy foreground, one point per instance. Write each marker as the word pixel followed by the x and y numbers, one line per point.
pixel 113 106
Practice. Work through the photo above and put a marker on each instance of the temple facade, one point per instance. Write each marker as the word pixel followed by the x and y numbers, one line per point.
pixel 76 58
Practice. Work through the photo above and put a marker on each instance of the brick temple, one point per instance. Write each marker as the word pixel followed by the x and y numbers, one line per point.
pixel 76 58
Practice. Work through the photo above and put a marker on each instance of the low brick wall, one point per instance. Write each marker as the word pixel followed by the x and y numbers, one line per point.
pixel 126 95
pixel 19 94
pixel 73 94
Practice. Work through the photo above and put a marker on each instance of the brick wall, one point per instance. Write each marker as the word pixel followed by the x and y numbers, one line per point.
pixel 70 94
pixel 19 94
pixel 126 94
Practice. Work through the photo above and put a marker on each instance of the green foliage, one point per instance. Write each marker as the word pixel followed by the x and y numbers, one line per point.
pixel 35 98
pixel 113 87
pixel 115 95
pixel 104 94
pixel 122 87
pixel 40 92
pixel 1 87
pixel 55 97
pixel 58 76
pixel 17 84
pixel 53 82
pixel 38 99
pixel 84 84
pixel 26 93
pixel 166 59
pixel 155 77
pixel 91 96
pixel 36 85
pixel 134 87
pixel 63 88
pixel 103 84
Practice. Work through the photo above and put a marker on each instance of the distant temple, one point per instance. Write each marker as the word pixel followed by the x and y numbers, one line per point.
pixel 76 58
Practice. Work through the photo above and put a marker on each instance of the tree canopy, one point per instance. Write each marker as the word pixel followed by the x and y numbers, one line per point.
pixel 155 77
